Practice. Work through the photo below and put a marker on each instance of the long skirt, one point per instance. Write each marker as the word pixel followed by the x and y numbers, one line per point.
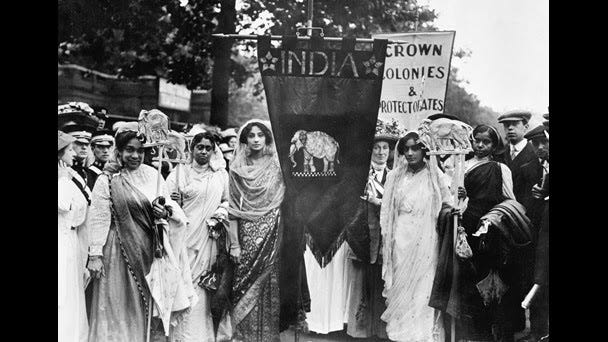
pixel 366 303
pixel 256 297
pixel 72 316
pixel 118 313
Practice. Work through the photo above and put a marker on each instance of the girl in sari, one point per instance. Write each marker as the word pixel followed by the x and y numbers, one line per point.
pixel 71 212
pixel 202 188
pixel 126 250
pixel 486 184
pixel 413 197
pixel 256 193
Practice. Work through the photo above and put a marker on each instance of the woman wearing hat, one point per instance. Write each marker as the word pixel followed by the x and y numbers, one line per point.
pixel 365 301
pixel 125 248
pixel 202 187
pixel 72 210
pixel 413 198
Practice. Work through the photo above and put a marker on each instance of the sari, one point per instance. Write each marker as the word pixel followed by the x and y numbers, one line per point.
pixel 487 183
pixel 205 194
pixel 256 193
pixel 121 219
pixel 408 217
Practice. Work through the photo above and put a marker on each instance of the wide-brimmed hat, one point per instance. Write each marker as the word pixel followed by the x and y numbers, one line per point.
pixel 442 115
pixel 63 140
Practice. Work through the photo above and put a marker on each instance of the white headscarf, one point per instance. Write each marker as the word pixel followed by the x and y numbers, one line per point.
pixel 390 204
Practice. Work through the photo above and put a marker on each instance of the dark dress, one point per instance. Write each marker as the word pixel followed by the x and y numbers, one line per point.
pixel 477 321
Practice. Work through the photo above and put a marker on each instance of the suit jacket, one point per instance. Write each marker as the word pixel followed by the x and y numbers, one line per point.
pixel 526 171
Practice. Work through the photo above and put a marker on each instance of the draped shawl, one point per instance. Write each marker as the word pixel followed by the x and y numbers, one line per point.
pixel 251 199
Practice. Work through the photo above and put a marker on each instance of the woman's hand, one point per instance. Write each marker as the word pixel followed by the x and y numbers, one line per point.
pixel 176 196
pixel 95 266
pixel 159 209
pixel 462 192
pixel 235 255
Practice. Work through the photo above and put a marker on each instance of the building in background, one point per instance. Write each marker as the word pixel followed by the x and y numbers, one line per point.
pixel 124 99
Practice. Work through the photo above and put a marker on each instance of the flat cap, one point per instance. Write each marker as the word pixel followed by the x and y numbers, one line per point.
pixel 538 132
pixel 515 115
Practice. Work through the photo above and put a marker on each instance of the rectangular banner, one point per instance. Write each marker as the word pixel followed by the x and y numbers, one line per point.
pixel 415 77
pixel 323 107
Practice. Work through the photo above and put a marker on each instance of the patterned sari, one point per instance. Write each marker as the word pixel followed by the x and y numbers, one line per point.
pixel 256 193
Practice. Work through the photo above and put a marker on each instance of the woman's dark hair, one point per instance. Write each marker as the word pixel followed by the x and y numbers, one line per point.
pixel 494 137
pixel 214 138
pixel 261 126
pixel 123 138
pixel 403 140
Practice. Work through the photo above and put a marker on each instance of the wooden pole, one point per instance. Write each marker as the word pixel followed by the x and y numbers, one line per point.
pixel 274 37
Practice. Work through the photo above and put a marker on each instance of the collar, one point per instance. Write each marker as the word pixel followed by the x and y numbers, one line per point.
pixel 520 145
pixel 378 167
pixel 98 164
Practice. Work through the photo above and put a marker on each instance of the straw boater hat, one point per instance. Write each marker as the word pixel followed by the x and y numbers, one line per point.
pixel 63 140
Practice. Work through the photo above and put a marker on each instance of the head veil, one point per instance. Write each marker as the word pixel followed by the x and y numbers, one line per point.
pixel 255 189
pixel 390 204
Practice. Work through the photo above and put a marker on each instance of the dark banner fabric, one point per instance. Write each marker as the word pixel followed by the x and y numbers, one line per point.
pixel 323 106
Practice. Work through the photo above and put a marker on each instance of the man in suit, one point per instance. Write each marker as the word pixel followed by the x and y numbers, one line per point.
pixel 520 157
pixel 539 307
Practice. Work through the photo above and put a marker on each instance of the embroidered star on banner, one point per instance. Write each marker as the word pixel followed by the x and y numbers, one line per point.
pixel 371 66
pixel 268 61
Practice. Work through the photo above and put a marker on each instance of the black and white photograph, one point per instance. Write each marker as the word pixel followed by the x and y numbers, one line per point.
pixel 303 170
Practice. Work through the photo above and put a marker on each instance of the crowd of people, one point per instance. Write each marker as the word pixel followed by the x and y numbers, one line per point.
pixel 194 255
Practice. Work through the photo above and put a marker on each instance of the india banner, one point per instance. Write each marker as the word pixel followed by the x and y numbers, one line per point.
pixel 323 102
pixel 415 77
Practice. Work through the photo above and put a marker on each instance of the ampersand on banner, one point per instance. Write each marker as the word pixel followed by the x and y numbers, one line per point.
pixel 412 92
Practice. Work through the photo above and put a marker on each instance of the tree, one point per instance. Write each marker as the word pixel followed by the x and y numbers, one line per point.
pixel 464 105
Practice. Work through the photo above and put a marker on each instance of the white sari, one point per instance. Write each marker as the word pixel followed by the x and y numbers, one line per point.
pixel 408 218
pixel 205 192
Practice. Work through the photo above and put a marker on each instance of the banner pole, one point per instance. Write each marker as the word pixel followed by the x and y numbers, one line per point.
pixel 331 39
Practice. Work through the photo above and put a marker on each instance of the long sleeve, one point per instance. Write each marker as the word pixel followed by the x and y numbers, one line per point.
pixel 64 198
pixel 178 215
pixel 232 235
pixel 507 182
pixel 99 217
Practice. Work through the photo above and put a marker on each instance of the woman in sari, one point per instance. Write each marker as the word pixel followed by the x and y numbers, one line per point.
pixel 132 263
pixel 202 188
pixel 71 211
pixel 256 193
pixel 413 198
pixel 486 184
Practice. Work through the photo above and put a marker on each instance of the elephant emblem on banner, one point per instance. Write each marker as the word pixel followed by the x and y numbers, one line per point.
pixel 313 145
pixel 445 134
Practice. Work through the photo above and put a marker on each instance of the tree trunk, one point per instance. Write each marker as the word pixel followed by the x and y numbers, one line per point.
pixel 221 65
